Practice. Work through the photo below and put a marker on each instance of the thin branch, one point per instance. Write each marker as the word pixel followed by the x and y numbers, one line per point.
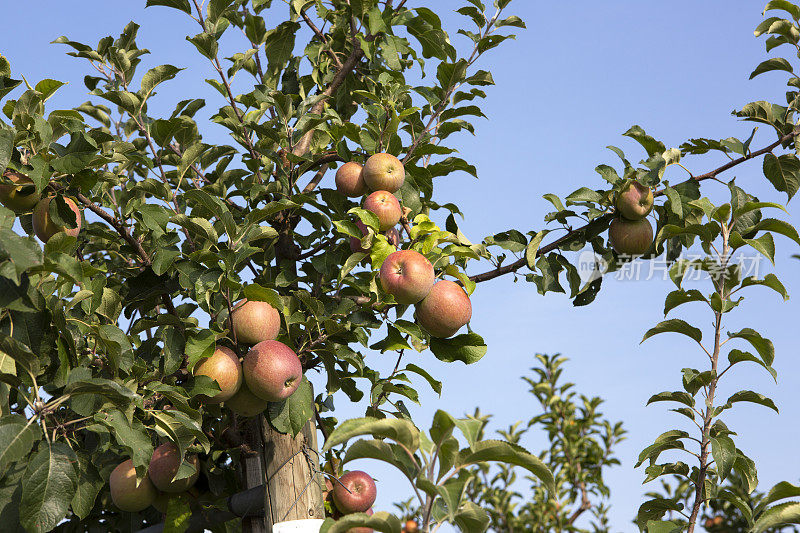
pixel 516 265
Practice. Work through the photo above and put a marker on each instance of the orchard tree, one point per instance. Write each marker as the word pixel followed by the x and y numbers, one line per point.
pixel 156 337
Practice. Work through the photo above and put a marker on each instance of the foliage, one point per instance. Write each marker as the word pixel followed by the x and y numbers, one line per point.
pixel 99 334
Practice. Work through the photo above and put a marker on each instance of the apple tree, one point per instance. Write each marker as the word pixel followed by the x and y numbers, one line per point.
pixel 156 339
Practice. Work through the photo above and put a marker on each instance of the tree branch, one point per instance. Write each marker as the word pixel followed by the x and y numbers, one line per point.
pixel 516 265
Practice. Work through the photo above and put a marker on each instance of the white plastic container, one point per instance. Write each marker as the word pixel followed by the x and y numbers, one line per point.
pixel 298 526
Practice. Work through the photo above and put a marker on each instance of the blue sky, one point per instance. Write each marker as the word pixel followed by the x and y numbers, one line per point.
pixel 581 75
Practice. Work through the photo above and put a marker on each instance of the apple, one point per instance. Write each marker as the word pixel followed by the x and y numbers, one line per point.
pixel 383 172
pixel 407 275
pixel 411 526
pixel 272 371
pixel 255 321
pixel 630 237
pixel 224 368
pixel 44 227
pixel 128 494
pixel 444 310
pixel 634 201
pixel 20 196
pixel 350 181
pixel 361 495
pixel 386 207
pixel 164 464
pixel 245 403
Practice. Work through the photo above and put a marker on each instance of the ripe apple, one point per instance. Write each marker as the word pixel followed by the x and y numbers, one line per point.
pixel 383 172
pixel 126 493
pixel 386 207
pixel 444 310
pixel 361 495
pixel 634 201
pixel 411 526
pixel 245 403
pixel 255 321
pixel 224 368
pixel 272 371
pixel 43 225
pixel 164 464
pixel 20 196
pixel 407 275
pixel 630 237
pixel 349 180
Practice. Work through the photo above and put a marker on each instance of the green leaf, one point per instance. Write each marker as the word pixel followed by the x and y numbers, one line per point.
pixel 472 517
pixel 770 280
pixel 505 452
pixel 783 172
pixel 17 436
pixel 651 145
pixel 737 356
pixel 401 431
pixel 533 248
pixel 784 5
pixel 380 521
pixel 778 226
pixel 290 415
pixel 89 486
pixel 468 348
pixel 382 451
pixel 675 325
pixel 206 44
pixel 182 5
pixel 764 346
pixel 178 514
pixel 779 515
pixel 48 487
pixel 155 76
pixel 723 450
pixel 776 63
pixel 680 297
pixel 753 397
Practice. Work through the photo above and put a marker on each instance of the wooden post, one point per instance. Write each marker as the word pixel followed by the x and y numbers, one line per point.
pixel 293 491
pixel 286 466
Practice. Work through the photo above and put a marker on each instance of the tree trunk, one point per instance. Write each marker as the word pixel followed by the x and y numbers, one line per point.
pixel 286 465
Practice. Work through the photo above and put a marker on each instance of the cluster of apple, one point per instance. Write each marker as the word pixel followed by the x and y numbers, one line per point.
pixel 20 196
pixel 630 232
pixel 442 308
pixel 157 486
pixel 270 372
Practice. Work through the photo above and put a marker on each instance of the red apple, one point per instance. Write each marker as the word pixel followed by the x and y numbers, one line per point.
pixel 20 196
pixel 407 275
pixel 224 368
pixel 128 494
pixel 386 207
pixel 349 180
pixel 383 172
pixel 361 495
pixel 272 371
pixel 255 321
pixel 43 225
pixel 245 403
pixel 444 310
pixel 634 200
pixel 630 237
pixel 164 464
pixel 411 526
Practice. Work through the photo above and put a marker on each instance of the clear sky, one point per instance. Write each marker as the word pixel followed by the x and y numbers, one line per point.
pixel 581 75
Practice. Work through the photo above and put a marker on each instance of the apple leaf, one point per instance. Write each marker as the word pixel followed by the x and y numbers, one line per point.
pixel 401 431
pixel 290 415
